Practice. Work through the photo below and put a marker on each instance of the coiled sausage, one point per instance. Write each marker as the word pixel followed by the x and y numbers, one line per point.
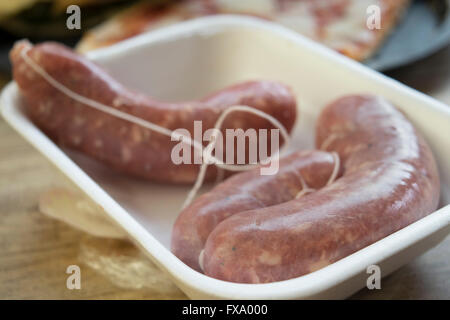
pixel 389 180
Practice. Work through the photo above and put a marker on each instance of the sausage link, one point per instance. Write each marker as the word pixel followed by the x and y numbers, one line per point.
pixel 246 191
pixel 118 143
pixel 389 180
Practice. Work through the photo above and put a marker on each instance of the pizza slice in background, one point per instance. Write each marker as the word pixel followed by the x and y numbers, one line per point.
pixel 338 24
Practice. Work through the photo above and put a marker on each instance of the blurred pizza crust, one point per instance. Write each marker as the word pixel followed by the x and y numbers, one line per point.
pixel 338 24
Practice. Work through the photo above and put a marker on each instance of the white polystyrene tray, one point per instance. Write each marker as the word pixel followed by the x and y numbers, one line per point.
pixel 194 58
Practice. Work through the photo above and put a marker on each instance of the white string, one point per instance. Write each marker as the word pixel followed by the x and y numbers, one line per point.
pixel 329 140
pixel 200 259
pixel 306 189
pixel 337 166
pixel 206 153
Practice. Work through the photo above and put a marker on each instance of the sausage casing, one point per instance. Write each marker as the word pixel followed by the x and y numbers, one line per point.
pixel 123 145
pixel 389 180
pixel 249 190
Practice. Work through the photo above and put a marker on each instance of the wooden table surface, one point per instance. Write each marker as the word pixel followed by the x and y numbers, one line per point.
pixel 35 250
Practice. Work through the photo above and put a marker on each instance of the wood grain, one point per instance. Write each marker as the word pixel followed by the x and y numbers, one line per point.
pixel 35 250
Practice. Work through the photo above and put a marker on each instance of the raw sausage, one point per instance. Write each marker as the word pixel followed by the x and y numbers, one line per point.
pixel 297 172
pixel 118 143
pixel 389 180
